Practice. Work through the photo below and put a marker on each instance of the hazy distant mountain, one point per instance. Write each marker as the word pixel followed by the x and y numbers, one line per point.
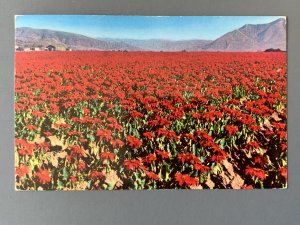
pixel 163 44
pixel 29 37
pixel 252 38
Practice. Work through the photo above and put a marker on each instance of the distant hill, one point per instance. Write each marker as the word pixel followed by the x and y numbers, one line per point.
pixel 163 44
pixel 30 37
pixel 250 37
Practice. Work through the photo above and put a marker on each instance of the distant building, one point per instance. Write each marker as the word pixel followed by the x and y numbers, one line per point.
pixel 50 48
pixel 26 49
pixel 68 49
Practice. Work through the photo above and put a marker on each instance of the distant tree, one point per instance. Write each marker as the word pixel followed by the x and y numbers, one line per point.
pixel 273 50
pixel 20 49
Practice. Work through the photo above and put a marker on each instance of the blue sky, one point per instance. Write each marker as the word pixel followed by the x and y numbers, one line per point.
pixel 143 27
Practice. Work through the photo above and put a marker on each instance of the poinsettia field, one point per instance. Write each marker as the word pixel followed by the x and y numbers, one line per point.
pixel 146 120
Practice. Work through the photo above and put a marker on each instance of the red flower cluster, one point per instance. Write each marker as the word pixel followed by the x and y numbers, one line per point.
pixel 22 170
pixel 231 129
pixel 134 142
pixel 186 179
pixel 150 119
pixel 43 176
pixel 108 155
pixel 256 172
pixel 96 175
pixel 104 134
pixel 162 154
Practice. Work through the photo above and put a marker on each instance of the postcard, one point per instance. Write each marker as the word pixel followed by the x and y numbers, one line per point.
pixel 150 102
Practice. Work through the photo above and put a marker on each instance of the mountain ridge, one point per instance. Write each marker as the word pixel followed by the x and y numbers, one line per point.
pixel 250 37
pixel 32 37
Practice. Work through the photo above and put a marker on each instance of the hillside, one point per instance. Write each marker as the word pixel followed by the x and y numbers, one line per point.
pixel 252 38
pixel 29 37
pixel 163 44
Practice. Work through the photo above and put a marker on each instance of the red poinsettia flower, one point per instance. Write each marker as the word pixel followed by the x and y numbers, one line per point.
pixel 73 179
pixel 186 179
pixel 149 135
pixel 133 164
pixel 231 129
pixel 38 114
pixel 96 175
pixel 256 172
pixel 152 175
pixel 201 168
pixel 163 154
pixel 283 172
pixel 136 114
pixel 218 156
pixel 247 187
pixel 150 158
pixel 134 142
pixel 81 166
pixel 43 176
pixel 104 134
pixel 22 170
pixel 108 155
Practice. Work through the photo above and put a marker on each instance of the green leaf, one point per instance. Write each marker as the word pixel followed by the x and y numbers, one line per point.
pixel 194 149
pixel 65 174
pixel 59 185
pixel 223 142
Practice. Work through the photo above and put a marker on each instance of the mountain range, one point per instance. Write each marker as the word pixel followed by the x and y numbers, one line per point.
pixel 162 44
pixel 250 37
pixel 30 37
